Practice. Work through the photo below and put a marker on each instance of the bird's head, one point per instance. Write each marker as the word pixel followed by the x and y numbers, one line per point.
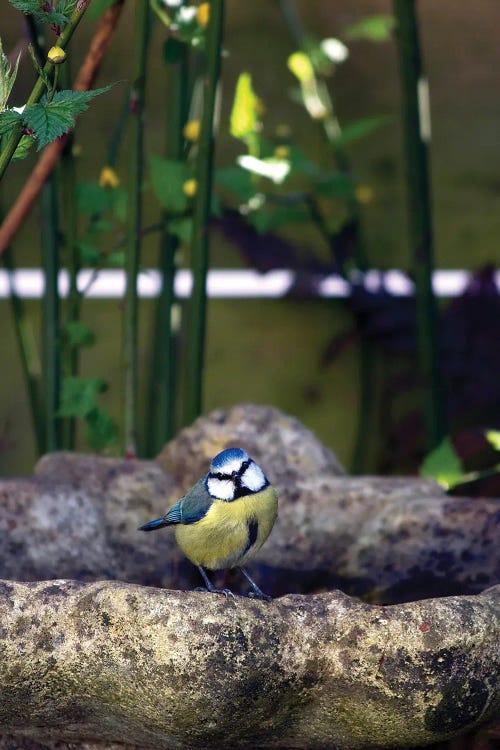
pixel 233 474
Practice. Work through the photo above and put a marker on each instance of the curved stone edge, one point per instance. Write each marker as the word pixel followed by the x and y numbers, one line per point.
pixel 116 662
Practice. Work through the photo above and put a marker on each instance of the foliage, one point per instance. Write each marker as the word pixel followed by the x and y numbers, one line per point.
pixel 55 15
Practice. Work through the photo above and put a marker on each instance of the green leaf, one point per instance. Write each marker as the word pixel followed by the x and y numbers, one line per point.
pixel 244 114
pixel 101 429
pixel 93 199
pixel 8 120
pixel 376 28
pixel 78 334
pixel 97 8
pixel 116 259
pixel 50 120
pixel 167 179
pixel 51 16
pixel 181 228
pixel 493 437
pixel 443 464
pixel 7 77
pixel 89 254
pixel 80 396
pixel 361 128
pixel 236 180
pixel 268 221
pixel 23 147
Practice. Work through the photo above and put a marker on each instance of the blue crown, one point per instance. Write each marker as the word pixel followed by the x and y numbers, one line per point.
pixel 230 454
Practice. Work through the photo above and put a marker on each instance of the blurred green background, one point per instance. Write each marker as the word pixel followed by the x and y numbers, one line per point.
pixel 270 351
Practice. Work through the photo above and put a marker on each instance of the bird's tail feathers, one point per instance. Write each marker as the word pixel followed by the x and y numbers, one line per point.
pixel 158 523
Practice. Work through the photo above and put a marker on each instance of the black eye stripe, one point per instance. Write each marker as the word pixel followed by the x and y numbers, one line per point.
pixel 219 475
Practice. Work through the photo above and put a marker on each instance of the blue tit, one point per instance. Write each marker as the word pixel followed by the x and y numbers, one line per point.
pixel 225 518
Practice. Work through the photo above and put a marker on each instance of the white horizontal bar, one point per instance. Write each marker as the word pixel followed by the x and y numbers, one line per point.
pixel 110 284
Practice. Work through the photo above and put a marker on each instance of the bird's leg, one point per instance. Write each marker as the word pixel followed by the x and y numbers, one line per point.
pixel 256 593
pixel 209 585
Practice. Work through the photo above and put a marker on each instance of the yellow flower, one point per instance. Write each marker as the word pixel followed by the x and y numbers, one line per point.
pixel 301 66
pixel 364 194
pixel 282 152
pixel 203 14
pixel 56 55
pixel 108 178
pixel 191 130
pixel 190 187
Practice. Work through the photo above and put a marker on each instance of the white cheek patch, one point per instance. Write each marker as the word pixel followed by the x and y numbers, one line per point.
pixel 254 478
pixel 222 489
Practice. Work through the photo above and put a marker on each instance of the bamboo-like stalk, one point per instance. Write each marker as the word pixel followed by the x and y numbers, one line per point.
pixel 134 226
pixel 39 88
pixel 162 391
pixel 66 177
pixel 51 343
pixel 29 360
pixel 416 137
pixel 200 241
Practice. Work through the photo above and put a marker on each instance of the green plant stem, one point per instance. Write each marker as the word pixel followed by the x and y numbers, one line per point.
pixel 50 315
pixel 29 360
pixel 200 240
pixel 39 88
pixel 162 391
pixel 420 228
pixel 66 176
pixel 134 224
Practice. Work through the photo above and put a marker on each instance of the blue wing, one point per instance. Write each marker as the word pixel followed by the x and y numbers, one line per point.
pixel 189 509
pixel 192 507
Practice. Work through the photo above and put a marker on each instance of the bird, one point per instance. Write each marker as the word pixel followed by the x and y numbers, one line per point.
pixel 225 518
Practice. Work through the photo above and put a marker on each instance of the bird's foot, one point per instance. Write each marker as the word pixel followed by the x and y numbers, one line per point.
pixel 213 590
pixel 259 595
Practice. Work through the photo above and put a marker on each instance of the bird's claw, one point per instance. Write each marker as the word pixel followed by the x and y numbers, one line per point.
pixel 226 592
pixel 259 595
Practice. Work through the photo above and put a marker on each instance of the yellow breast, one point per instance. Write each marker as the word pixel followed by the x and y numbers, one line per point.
pixel 231 532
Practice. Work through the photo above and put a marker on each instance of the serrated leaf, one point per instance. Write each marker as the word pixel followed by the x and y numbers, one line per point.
pixel 80 396
pixel 32 7
pixel 443 464
pixel 78 334
pixel 376 28
pixel 167 179
pixel 8 120
pixel 244 114
pixel 493 438
pixel 101 429
pixel 361 128
pixel 23 147
pixel 50 120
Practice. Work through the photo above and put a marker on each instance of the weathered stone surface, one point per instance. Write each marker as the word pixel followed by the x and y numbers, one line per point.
pixel 280 443
pixel 113 662
pixel 386 539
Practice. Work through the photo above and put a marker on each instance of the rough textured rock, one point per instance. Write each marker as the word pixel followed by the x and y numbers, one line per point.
pixel 113 662
pixel 287 449
pixel 386 539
